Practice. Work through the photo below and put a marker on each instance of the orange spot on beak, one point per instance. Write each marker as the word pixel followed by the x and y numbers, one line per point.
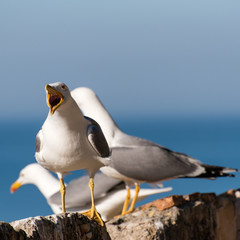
pixel 15 186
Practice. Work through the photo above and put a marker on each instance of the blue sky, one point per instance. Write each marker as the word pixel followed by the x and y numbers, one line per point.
pixel 162 58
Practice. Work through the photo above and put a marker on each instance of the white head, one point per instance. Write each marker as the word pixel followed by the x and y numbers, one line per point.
pixel 87 100
pixel 57 95
pixel 29 175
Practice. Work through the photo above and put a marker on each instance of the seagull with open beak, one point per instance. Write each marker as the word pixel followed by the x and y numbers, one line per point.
pixel 69 141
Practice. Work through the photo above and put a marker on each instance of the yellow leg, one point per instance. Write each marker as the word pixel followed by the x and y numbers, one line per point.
pixel 91 186
pixel 132 207
pixel 92 213
pixel 126 203
pixel 63 192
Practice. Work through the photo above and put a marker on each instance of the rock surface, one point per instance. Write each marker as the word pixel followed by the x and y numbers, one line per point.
pixel 7 232
pixel 57 227
pixel 196 217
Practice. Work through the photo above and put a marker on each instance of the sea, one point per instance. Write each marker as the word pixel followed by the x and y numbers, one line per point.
pixel 212 140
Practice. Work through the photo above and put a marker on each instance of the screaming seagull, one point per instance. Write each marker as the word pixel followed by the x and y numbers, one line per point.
pixel 136 160
pixel 68 141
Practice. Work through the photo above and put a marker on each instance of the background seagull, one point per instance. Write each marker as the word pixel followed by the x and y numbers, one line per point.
pixel 137 160
pixel 108 192
pixel 68 141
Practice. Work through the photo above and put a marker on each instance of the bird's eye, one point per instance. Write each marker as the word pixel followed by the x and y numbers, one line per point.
pixel 63 87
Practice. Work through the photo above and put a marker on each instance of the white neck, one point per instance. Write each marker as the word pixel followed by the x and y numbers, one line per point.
pixel 64 120
pixel 70 108
pixel 93 108
pixel 46 183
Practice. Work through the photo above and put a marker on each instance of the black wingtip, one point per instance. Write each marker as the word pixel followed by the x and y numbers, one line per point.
pixel 212 172
pixel 216 171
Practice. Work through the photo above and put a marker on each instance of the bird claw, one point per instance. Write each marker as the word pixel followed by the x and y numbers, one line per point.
pixel 129 211
pixel 94 215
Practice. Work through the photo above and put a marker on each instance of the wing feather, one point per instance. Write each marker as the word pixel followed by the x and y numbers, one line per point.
pixel 97 138
pixel 38 142
pixel 153 163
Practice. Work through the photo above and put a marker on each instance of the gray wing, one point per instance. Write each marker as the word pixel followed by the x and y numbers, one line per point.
pixel 125 140
pixel 97 138
pixel 38 141
pixel 152 163
pixel 78 193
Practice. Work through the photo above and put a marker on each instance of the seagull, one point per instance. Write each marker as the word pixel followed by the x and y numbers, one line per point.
pixel 35 174
pixel 69 141
pixel 108 192
pixel 136 160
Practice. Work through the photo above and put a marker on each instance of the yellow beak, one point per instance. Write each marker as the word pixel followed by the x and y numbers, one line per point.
pixel 15 186
pixel 54 98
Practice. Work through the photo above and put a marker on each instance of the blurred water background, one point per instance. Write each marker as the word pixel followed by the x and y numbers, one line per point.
pixel 167 71
pixel 212 140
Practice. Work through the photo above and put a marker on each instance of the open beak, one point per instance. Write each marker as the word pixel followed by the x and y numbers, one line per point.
pixel 54 98
pixel 15 186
